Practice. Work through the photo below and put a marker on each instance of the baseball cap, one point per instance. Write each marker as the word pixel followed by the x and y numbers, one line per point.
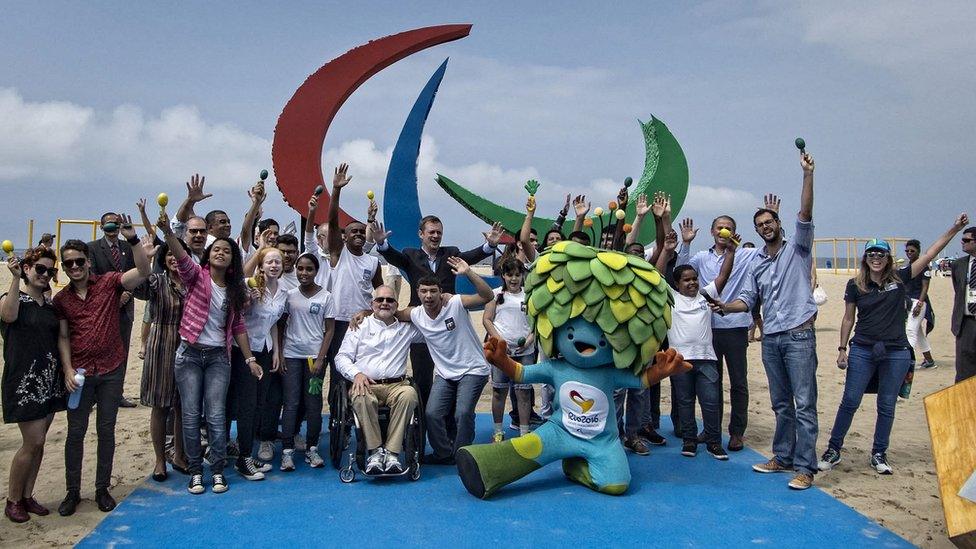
pixel 877 244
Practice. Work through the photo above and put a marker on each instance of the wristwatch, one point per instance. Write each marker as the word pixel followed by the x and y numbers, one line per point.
pixel 841 348
pixel 250 359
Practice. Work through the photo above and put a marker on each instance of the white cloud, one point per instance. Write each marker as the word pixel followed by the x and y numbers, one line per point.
pixel 704 199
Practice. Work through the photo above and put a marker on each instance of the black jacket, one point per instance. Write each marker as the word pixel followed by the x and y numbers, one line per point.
pixel 413 262
pixel 959 273
pixel 100 256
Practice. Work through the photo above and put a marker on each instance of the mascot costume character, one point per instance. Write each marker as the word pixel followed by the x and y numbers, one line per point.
pixel 601 317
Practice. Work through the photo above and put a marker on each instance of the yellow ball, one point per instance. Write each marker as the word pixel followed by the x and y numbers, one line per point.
pixel 370 195
pixel 620 214
pixel 162 200
pixel 598 211
pixel 725 233
pixel 251 282
pixel 8 246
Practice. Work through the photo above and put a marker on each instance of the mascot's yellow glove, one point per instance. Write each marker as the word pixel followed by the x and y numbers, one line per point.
pixel 496 351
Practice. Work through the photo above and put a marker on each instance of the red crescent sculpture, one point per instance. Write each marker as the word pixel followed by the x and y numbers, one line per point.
pixel 300 133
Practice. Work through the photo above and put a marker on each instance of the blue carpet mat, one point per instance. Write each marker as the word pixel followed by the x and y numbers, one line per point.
pixel 672 501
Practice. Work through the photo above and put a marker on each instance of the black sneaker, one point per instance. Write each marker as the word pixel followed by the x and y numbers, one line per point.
pixel 219 484
pixel 637 446
pixel 829 458
pixel 689 449
pixel 717 451
pixel 247 468
pixel 880 464
pixel 196 484
pixel 651 436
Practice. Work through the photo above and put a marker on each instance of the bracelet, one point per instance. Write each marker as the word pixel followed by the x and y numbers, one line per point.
pixel 841 348
pixel 250 359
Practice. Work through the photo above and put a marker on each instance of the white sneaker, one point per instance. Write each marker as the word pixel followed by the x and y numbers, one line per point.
pixel 266 450
pixel 375 463
pixel 312 457
pixel 391 464
pixel 880 464
pixel 300 443
pixel 247 469
pixel 287 460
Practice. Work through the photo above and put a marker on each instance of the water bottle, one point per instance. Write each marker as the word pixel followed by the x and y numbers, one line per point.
pixel 75 397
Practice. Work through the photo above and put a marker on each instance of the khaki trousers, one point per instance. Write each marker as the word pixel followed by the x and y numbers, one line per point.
pixel 402 400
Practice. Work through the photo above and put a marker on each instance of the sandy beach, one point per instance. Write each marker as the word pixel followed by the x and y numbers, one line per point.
pixel 906 502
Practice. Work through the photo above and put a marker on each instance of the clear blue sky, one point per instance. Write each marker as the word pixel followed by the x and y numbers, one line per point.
pixel 108 102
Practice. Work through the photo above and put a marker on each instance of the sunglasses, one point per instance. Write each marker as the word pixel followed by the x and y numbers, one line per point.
pixel 384 300
pixel 42 270
pixel 967 240
pixel 196 231
pixel 72 263
pixel 875 255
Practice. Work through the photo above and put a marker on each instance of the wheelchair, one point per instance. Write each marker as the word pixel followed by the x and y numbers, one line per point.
pixel 343 423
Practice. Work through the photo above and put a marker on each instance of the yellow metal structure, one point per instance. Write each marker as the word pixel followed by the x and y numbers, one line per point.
pixel 57 245
pixel 845 252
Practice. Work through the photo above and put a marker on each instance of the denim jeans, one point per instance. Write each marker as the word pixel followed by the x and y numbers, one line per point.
pixel 243 395
pixel 202 376
pixel 790 360
pixel 461 395
pixel 547 393
pixel 103 391
pixel 300 403
pixel 731 345
pixel 861 367
pixel 701 382
pixel 634 401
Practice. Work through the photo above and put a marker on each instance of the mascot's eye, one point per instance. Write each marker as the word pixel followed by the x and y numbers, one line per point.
pixel 603 343
pixel 569 336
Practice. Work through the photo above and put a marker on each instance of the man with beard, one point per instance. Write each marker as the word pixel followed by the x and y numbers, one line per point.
pixel 781 278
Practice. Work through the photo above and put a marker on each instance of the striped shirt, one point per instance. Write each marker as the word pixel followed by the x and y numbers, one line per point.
pixel 196 280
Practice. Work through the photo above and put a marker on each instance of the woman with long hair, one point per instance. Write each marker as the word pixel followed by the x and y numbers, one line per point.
pixel 33 386
pixel 212 317
pixel 165 294
pixel 878 299
pixel 248 391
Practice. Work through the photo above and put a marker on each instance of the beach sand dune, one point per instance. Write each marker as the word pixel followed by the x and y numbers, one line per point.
pixel 906 502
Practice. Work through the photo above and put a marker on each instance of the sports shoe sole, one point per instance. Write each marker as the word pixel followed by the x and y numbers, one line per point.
pixel 197 490
pixel 720 457
pixel 827 466
pixel 257 476
pixel 219 488
pixel 760 469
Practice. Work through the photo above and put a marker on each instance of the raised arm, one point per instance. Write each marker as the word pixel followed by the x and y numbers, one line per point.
pixel 257 196
pixel 146 223
pixel 392 255
pixel 141 252
pixel 484 295
pixel 172 241
pixel 194 194
pixel 923 260
pixel 726 271
pixel 582 208
pixel 561 218
pixel 806 194
pixel 664 251
pixel 525 233
pixel 642 208
pixel 339 180
pixel 10 304
pixel 618 227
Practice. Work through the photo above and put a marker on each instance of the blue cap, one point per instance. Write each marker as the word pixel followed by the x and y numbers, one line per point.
pixel 877 244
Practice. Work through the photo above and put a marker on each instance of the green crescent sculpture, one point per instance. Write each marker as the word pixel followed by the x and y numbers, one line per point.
pixel 665 169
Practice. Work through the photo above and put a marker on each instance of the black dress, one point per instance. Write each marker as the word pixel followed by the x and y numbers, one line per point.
pixel 33 383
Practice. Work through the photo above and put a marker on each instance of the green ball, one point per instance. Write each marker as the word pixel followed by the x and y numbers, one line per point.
pixel 800 143
pixel 264 174
pixel 628 181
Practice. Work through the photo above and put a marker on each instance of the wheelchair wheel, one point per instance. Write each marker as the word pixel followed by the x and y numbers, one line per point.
pixel 415 472
pixel 339 427
pixel 347 474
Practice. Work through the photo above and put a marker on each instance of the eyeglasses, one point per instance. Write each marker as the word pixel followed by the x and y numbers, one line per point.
pixel 967 240
pixel 768 223
pixel 875 255
pixel 384 300
pixel 42 270
pixel 196 231
pixel 72 263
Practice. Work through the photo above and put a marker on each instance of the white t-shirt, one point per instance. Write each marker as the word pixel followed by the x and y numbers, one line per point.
pixel 452 340
pixel 511 319
pixel 352 283
pixel 376 349
pixel 261 316
pixel 325 268
pixel 288 281
pixel 306 322
pixel 213 333
pixel 691 325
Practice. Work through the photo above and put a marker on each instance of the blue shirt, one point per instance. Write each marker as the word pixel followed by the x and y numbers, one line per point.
pixel 783 281
pixel 707 264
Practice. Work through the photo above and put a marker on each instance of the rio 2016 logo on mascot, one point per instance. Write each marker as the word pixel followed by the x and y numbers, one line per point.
pixel 601 316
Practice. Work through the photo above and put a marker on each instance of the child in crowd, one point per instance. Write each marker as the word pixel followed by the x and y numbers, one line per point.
pixel 505 318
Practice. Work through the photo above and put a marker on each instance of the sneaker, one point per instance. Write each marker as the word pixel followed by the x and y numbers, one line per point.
pixel 391 464
pixel 219 484
pixel 266 451
pixel 829 458
pixel 288 460
pixel 801 481
pixel 196 484
pixel 637 446
pixel 771 466
pixel 880 464
pixel 717 451
pixel 735 443
pixel 375 463
pixel 247 469
pixel 928 364
pixel 513 426
pixel 262 466
pixel 651 436
pixel 689 449
pixel 233 450
pixel 498 436
pixel 313 459
pixel 300 443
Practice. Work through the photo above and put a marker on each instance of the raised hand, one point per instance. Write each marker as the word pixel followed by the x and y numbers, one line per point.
pixel 566 205
pixel 256 193
pixel 688 230
pixel 581 206
pixel 771 202
pixel 658 205
pixel 141 205
pixel 379 234
pixel 671 241
pixel 127 231
pixel 494 236
pixel 313 203
pixel 962 221
pixel 371 211
pixel 458 265
pixel 341 179
pixel 14 265
pixel 264 239
pixel 163 222
pixel 642 206
pixel 148 243
pixel 806 162
pixel 622 197
pixel 530 204
pixel 194 189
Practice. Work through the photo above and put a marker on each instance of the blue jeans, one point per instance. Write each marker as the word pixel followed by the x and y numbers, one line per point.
pixel 701 381
pixel 790 360
pixel 861 367
pixel 636 410
pixel 461 395
pixel 295 390
pixel 202 377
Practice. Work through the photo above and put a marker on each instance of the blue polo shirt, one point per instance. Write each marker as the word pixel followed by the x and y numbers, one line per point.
pixel 707 264
pixel 783 281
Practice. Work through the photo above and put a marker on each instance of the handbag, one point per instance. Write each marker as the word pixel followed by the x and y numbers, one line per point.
pixel 819 295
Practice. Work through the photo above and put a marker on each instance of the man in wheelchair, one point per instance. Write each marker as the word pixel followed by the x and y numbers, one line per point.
pixel 374 359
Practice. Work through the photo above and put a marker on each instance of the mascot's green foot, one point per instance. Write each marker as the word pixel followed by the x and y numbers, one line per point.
pixel 578 469
pixel 484 468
